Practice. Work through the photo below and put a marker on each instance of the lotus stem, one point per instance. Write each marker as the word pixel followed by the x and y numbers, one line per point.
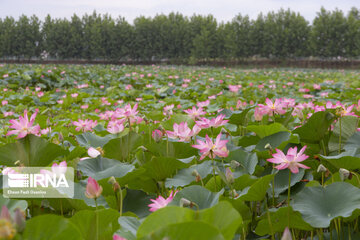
pixel 340 136
pixel 96 220
pixel 288 198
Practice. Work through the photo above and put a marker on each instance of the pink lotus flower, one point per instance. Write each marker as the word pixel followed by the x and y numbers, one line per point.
pixel 45 131
pixel 23 126
pixel 84 125
pixel 183 132
pixel 214 122
pixel 208 148
pixel 117 237
pixel 161 202
pixel 195 113
pixel 157 135
pixel 316 86
pixel 203 104
pixel 6 114
pixel 56 171
pixel 115 126
pixel 60 168
pixel 346 111
pixel 168 110
pixel 291 160
pixel 93 189
pixel 234 88
pixel 272 107
pixel 130 114
pixel 4 102
pixel 74 95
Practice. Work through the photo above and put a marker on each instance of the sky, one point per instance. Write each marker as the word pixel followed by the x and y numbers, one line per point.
pixel 222 10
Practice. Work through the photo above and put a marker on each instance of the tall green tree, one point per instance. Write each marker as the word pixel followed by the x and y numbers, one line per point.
pixel 203 32
pixel 353 33
pixel 328 33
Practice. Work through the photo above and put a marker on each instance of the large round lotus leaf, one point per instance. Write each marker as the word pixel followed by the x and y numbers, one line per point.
pixel 279 220
pixel 88 139
pixel 85 221
pixel 350 159
pixel 31 151
pixel 51 227
pixel 193 230
pixel 100 168
pixel 318 205
pixel 199 195
pixel 316 127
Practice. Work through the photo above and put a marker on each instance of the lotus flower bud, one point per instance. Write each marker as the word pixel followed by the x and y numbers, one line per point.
pixel 112 180
pixel 93 189
pixel 234 164
pixel 321 168
pixel 268 146
pixel 197 176
pixel 229 176
pixel 344 174
pixel 92 152
pixel 286 235
pixel 157 135
pixel 195 173
pixel 5 214
pixel 61 137
pixel 19 219
pixel 185 203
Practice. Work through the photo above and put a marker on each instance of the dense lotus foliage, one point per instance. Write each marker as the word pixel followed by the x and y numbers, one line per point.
pixel 164 152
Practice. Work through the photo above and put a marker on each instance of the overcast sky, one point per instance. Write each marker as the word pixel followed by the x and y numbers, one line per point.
pixel 223 10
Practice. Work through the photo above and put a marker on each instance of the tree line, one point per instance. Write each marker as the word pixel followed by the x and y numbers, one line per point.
pixel 281 34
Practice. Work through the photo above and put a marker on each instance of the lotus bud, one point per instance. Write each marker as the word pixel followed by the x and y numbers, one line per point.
pixel 157 135
pixel 229 176
pixel 234 164
pixel 321 168
pixel 185 203
pixel 197 176
pixel 286 235
pixel 112 180
pixel 344 174
pixel 268 147
pixel 195 173
pixel 61 137
pixel 19 219
pixel 92 152
pixel 116 187
pixel 93 189
pixel 5 214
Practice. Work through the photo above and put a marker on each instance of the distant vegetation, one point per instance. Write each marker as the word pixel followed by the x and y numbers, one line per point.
pixel 282 34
